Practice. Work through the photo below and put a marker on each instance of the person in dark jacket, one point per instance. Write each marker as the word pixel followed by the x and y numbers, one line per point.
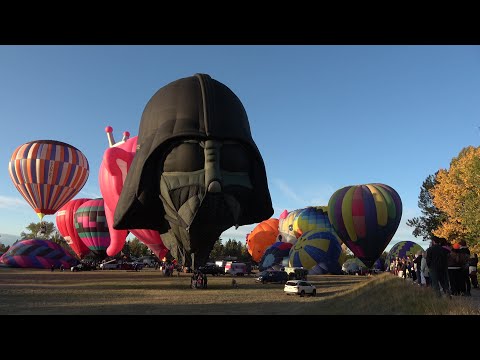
pixel 465 278
pixel 437 265
pixel 472 267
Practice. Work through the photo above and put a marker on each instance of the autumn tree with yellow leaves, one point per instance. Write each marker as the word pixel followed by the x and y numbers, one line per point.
pixel 457 194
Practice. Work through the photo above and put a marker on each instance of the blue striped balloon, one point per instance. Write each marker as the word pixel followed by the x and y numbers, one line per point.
pixel 315 247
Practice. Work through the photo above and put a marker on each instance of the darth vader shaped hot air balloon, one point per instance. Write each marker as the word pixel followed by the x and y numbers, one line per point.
pixel 196 171
pixel 365 218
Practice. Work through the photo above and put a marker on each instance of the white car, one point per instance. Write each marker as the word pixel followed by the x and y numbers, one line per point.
pixel 300 287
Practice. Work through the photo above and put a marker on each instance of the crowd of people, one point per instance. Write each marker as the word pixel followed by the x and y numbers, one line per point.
pixel 447 267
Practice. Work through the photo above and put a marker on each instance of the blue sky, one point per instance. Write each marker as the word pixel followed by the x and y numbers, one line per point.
pixel 323 117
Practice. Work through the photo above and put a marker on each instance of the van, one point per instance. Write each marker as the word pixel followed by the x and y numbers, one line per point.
pixel 235 269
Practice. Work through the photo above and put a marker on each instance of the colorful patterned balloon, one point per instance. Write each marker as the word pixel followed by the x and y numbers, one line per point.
pixel 312 218
pixel 274 255
pixel 48 174
pixel 314 247
pixel 285 226
pixel 37 253
pixel 92 228
pixel 403 249
pixel 365 218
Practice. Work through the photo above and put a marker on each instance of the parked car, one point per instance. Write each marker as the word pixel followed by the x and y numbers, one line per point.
pixel 82 267
pixel 211 269
pixel 272 276
pixel 300 287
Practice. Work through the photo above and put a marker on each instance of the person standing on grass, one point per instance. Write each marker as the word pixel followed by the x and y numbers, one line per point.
pixel 418 264
pixel 465 257
pixel 437 265
pixel 472 269
pixel 424 270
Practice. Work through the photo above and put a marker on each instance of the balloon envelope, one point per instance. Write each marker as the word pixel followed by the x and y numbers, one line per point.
pixel 37 253
pixel 286 229
pixel 261 237
pixel 403 249
pixel 365 218
pixel 113 171
pixel 66 226
pixel 311 218
pixel 48 174
pixel 274 255
pixel 91 225
pixel 315 247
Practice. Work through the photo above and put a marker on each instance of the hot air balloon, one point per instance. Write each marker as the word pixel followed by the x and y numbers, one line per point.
pixel 48 174
pixel 92 228
pixel 402 250
pixel 365 218
pixel 311 218
pixel 66 226
pixel 113 171
pixel 354 266
pixel 261 237
pixel 37 253
pixel 196 171
pixel 285 227
pixel 274 255
pixel 317 248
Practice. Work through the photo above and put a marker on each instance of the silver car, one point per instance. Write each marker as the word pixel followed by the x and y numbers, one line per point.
pixel 300 287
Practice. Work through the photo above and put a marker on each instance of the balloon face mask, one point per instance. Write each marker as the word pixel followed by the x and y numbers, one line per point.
pixel 196 171
pixel 203 186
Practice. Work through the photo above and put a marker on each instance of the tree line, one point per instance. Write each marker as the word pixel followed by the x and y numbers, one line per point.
pixel 449 201
pixel 134 247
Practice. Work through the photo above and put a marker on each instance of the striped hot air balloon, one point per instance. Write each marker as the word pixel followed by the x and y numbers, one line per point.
pixel 365 218
pixel 37 253
pixel 92 228
pixel 317 248
pixel 48 174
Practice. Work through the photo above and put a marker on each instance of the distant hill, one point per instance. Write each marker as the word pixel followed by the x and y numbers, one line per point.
pixel 8 239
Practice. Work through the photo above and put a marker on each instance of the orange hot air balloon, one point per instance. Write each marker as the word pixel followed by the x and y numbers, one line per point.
pixel 48 174
pixel 262 236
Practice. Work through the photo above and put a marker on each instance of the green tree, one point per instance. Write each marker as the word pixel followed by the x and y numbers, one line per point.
pixel 218 251
pixel 136 248
pixel 432 217
pixel 40 229
pixel 3 248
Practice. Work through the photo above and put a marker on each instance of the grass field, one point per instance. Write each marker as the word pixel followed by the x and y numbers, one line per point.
pixel 148 292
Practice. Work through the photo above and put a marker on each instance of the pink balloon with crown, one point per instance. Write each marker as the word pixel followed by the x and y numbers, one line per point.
pixel 113 171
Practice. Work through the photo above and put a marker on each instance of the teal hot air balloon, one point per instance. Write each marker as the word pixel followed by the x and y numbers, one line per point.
pixel 91 225
pixel 365 218
pixel 317 247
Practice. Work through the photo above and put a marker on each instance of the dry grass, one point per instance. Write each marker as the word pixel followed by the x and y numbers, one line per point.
pixel 42 292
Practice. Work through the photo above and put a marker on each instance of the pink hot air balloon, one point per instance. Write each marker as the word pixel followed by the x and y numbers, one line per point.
pixel 66 226
pixel 113 171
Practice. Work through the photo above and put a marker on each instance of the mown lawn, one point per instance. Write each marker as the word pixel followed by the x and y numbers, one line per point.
pixel 148 292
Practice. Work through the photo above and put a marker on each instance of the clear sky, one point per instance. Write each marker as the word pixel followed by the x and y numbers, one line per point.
pixel 323 117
